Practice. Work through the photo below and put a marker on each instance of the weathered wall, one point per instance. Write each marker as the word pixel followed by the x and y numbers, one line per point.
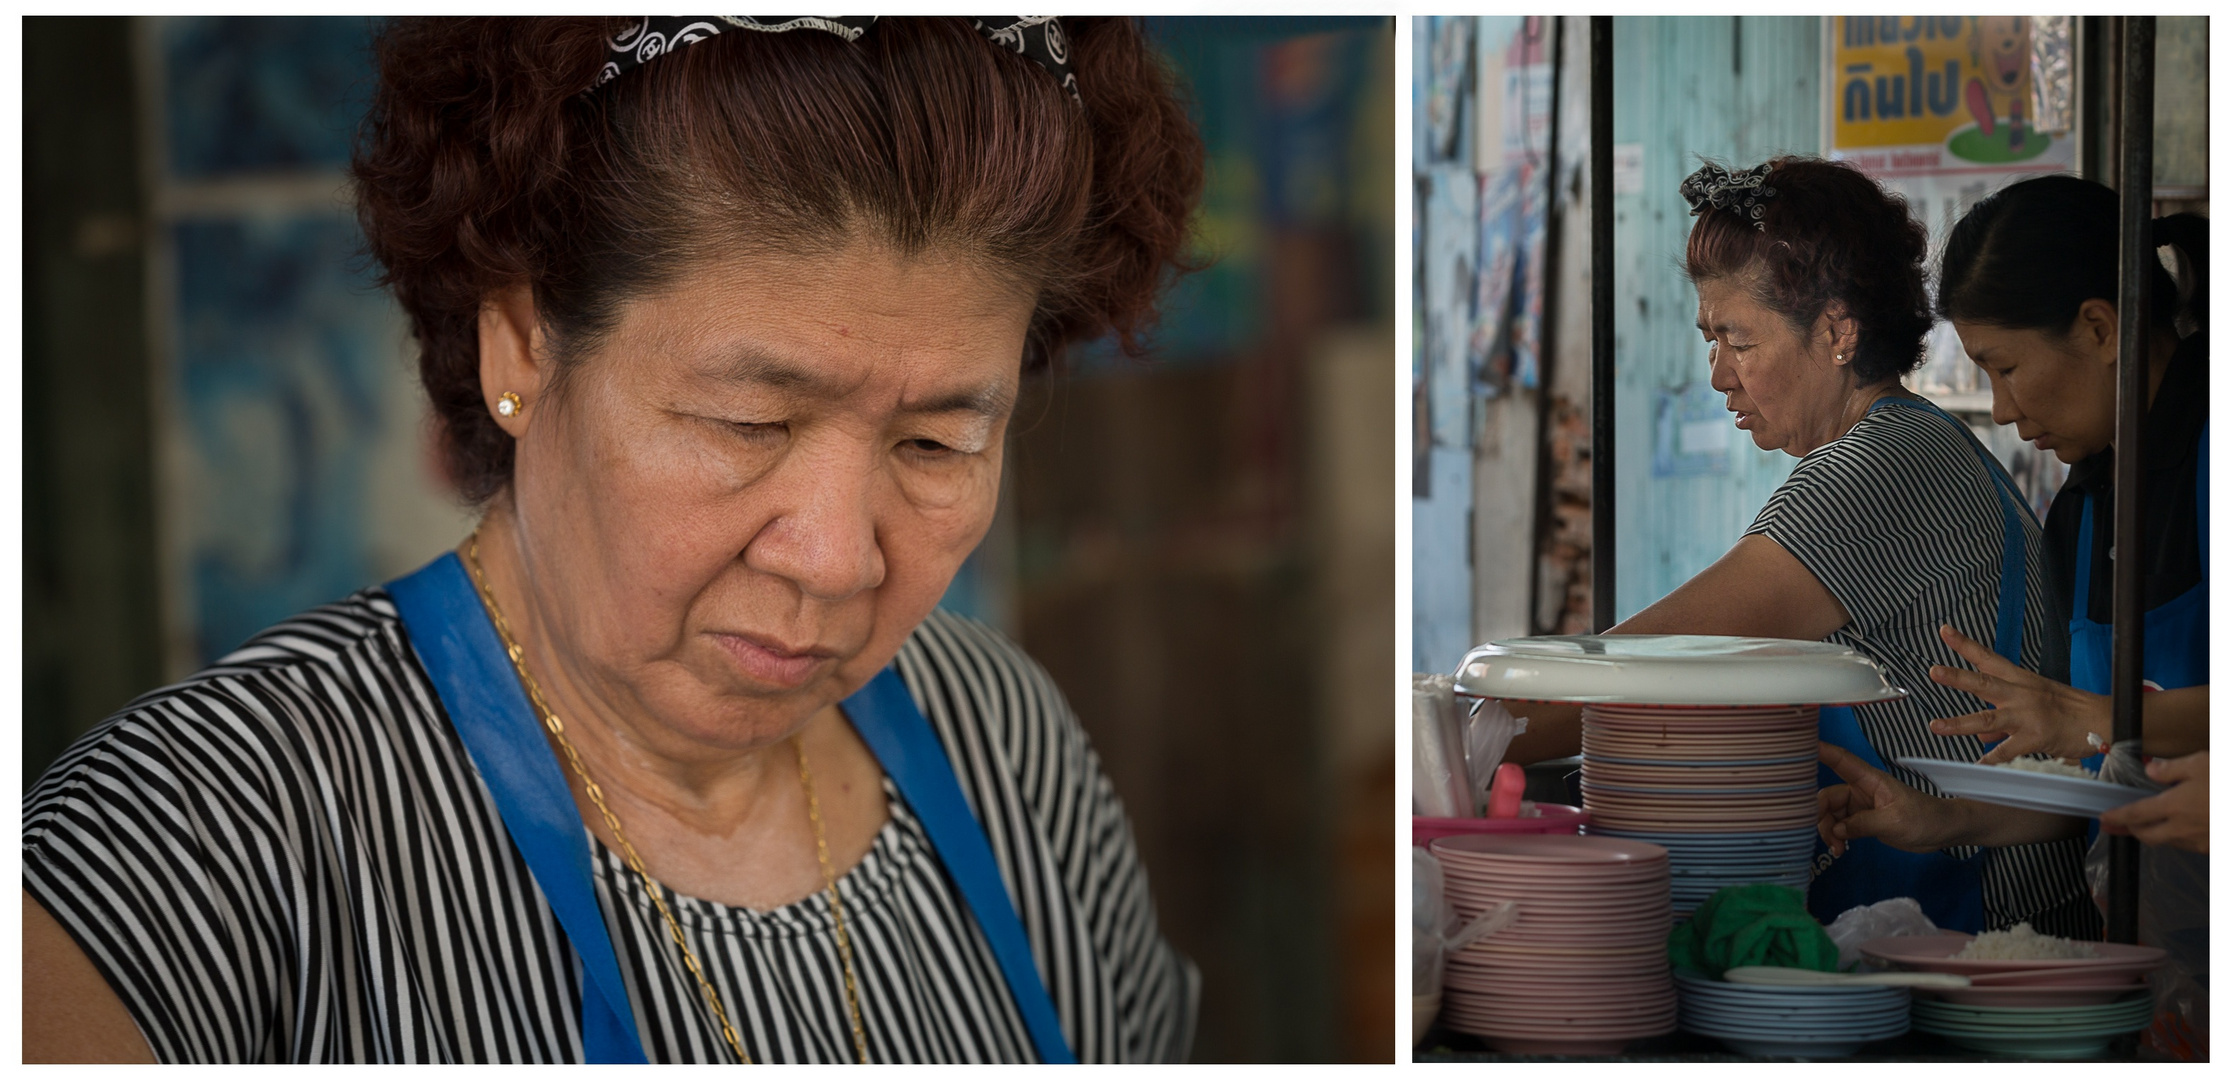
pixel 1739 90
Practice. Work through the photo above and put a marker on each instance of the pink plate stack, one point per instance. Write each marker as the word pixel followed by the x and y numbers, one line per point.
pixel 1582 968
pixel 1727 789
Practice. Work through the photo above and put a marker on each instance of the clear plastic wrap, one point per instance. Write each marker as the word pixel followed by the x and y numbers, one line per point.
pixel 1489 729
pixel 1439 785
pixel 1898 916
pixel 2173 887
pixel 1430 915
pixel 1436 933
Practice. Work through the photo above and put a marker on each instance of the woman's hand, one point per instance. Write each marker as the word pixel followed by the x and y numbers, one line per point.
pixel 1873 803
pixel 2176 816
pixel 2033 713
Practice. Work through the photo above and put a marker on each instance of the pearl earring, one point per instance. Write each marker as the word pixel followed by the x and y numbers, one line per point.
pixel 1839 356
pixel 510 404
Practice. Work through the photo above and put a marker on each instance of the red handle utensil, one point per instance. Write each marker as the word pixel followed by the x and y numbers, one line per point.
pixel 1506 791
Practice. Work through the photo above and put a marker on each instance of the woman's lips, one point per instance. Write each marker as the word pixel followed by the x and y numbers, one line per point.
pixel 772 663
pixel 1742 420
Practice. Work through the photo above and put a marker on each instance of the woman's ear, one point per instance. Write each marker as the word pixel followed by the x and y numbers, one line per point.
pixel 512 361
pixel 1840 334
pixel 2097 330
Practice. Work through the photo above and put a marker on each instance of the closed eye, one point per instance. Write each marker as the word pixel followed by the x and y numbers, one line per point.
pixel 756 432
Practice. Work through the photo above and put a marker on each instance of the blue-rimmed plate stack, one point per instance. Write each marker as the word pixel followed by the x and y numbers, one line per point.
pixel 2064 1032
pixel 1727 790
pixel 1704 864
pixel 1792 1021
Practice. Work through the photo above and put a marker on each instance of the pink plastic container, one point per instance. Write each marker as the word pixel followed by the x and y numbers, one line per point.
pixel 1556 818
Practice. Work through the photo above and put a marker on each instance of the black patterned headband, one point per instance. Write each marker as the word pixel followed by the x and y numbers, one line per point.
pixel 1742 193
pixel 1039 38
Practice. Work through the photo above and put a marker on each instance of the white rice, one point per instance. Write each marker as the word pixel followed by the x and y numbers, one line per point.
pixel 2050 766
pixel 2022 942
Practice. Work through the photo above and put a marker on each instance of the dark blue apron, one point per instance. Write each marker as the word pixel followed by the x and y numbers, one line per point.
pixel 2173 912
pixel 1949 890
pixel 2174 632
pixel 468 666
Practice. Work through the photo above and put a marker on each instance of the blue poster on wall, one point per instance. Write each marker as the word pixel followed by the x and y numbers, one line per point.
pixel 295 448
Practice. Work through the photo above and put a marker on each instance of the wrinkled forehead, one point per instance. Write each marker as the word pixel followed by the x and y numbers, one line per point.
pixel 1727 303
pixel 937 333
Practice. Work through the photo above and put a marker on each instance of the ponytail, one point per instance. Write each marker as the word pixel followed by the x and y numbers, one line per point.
pixel 2186 233
pixel 2030 255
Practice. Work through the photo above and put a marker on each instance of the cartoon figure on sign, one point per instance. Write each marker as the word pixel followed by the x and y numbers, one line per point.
pixel 2000 82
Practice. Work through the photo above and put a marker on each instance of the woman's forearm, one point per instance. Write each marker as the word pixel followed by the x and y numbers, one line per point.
pixel 1979 824
pixel 1553 731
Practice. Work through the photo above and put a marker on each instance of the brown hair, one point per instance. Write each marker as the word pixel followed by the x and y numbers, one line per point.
pixel 485 164
pixel 1832 236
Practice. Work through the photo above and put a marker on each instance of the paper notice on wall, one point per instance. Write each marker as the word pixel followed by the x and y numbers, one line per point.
pixel 1627 169
pixel 1944 109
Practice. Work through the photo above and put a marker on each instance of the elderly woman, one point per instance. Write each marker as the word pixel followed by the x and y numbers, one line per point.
pixel 674 759
pixel 1895 522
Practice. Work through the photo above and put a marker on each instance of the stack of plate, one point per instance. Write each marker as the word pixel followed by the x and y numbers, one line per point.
pixel 1728 790
pixel 2056 1032
pixel 2028 1008
pixel 1582 969
pixel 1792 1021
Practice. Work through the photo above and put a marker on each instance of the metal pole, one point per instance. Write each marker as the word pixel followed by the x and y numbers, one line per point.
pixel 1546 338
pixel 2093 117
pixel 2134 170
pixel 1603 503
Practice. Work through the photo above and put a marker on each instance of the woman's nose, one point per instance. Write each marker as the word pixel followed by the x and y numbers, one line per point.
pixel 825 538
pixel 1723 375
pixel 2004 411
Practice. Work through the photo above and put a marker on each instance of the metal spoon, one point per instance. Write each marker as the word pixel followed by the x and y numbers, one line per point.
pixel 1785 976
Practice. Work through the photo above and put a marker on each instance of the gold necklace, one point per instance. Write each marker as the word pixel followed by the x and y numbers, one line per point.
pixel 632 858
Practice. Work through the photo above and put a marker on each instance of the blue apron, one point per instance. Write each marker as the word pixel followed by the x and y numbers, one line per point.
pixel 1949 890
pixel 2173 912
pixel 466 663
pixel 2174 632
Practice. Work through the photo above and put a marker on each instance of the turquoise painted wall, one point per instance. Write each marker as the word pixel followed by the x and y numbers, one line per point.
pixel 1684 87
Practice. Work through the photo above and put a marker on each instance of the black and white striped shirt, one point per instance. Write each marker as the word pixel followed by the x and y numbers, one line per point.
pixel 1900 520
pixel 289 857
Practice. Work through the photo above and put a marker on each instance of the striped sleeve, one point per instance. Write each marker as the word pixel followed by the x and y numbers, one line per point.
pixel 1123 993
pixel 168 881
pixel 1882 517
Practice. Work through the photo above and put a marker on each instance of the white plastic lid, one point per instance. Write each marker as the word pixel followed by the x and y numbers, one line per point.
pixel 1673 669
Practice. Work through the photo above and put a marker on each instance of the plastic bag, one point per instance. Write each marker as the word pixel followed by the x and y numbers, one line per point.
pixel 1896 917
pixel 1430 913
pixel 2172 888
pixel 1488 733
pixel 1436 933
pixel 1439 787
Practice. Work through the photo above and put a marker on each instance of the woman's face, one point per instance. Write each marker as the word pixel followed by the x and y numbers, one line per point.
pixel 1783 385
pixel 736 508
pixel 2056 391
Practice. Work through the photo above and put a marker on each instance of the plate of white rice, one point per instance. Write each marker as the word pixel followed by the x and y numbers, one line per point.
pixel 2022 942
pixel 2017 949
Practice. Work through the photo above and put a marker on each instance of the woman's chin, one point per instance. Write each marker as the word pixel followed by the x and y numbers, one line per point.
pixel 736 722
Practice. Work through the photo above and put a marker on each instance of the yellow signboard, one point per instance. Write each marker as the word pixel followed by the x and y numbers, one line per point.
pixel 1958 82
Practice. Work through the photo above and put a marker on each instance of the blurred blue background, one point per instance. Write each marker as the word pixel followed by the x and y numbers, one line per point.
pixel 223 428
